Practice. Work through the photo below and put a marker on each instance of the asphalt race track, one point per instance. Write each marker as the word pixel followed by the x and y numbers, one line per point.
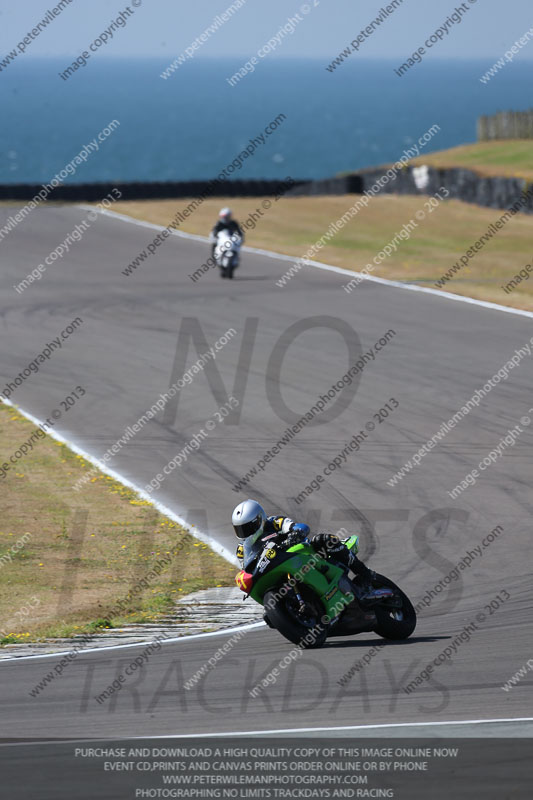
pixel 125 354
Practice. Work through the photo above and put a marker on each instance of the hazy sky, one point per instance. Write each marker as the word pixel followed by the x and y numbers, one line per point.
pixel 164 28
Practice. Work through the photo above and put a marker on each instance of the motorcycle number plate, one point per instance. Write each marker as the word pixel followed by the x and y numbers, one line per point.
pixel 262 564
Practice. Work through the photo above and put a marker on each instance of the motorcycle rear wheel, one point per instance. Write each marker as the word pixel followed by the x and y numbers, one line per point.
pixel 394 623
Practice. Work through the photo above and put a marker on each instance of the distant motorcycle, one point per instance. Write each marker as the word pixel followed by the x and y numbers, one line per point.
pixel 227 250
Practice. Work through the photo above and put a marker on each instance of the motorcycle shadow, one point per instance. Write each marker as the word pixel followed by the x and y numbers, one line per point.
pixel 379 642
pixel 253 278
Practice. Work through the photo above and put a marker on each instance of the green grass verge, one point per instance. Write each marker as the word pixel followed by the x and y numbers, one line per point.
pixel 293 224
pixel 512 158
pixel 84 552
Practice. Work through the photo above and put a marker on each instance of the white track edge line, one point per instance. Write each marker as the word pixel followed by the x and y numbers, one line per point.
pixel 229 734
pixel 165 510
pixel 187 637
pixel 328 267
pixel 196 532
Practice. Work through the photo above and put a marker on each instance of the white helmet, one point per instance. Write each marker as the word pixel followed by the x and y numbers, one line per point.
pixel 224 214
pixel 248 518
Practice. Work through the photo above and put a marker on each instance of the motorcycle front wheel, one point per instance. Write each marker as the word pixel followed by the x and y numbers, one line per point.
pixel 302 627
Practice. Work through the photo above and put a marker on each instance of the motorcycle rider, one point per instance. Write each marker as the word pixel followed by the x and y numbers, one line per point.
pixel 225 223
pixel 249 519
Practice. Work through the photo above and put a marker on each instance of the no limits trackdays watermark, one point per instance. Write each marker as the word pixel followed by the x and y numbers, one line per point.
pixel 135 664
pixel 168 685
pixel 453 575
pixel 249 223
pixel 192 445
pixel 274 597
pixel 307 641
pixel 464 563
pixel 471 403
pixel 161 403
pixel 39 433
pixel 118 609
pixel 307 687
pixel 466 634
pixel 419 531
pixel 346 380
pixel 353 445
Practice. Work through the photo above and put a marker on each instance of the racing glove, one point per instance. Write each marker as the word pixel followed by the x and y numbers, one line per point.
pixel 298 533
pixel 327 544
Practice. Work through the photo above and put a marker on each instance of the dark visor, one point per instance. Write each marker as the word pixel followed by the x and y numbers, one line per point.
pixel 249 528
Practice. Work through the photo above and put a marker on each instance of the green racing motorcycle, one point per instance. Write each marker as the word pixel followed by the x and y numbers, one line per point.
pixel 308 598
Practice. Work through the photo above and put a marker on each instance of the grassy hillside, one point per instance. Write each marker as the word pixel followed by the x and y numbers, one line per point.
pixel 511 158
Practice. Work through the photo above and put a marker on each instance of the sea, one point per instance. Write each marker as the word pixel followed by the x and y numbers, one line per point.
pixel 193 124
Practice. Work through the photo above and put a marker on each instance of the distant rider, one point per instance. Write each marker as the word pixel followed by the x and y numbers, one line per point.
pixel 249 518
pixel 225 223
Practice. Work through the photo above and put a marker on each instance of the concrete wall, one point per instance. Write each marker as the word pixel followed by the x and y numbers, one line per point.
pixel 92 192
pixel 462 184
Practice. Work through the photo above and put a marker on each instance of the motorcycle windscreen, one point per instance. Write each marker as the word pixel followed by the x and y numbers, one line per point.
pixel 252 549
